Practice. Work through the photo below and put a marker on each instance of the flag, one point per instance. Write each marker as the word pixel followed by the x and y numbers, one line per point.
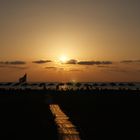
pixel 23 79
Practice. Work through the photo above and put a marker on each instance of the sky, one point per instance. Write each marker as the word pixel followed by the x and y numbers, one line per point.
pixel 70 40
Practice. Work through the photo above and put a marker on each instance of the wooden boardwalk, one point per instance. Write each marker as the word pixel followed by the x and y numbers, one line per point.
pixel 66 130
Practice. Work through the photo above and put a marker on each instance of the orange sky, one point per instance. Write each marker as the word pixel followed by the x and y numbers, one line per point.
pixel 83 30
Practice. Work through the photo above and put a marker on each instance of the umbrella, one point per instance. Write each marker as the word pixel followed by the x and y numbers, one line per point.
pixel 34 84
pixel 121 84
pixel 113 84
pixel 87 85
pixel 51 84
pixel 24 85
pixel 95 84
pixel 61 84
pixel 103 84
pixel 131 84
pixel 69 84
pixel 78 84
pixel 42 84
pixel 8 84
pixel 16 84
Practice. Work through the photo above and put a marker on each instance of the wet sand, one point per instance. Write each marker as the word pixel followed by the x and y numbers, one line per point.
pixel 97 114
pixel 25 118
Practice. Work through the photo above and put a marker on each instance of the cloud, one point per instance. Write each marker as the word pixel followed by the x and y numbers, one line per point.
pixel 50 67
pixel 94 62
pixel 107 66
pixel 61 69
pixel 118 70
pixel 102 66
pixel 130 61
pixel 13 62
pixel 42 61
pixel 55 68
pixel 113 68
pixel 13 67
pixel 71 61
pixel 75 70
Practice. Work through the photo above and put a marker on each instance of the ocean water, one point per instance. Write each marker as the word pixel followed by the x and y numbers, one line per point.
pixel 64 86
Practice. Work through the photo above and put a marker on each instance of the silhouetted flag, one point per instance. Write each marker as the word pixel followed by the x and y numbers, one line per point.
pixel 23 79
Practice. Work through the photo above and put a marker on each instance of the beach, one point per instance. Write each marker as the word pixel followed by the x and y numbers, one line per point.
pixel 69 69
pixel 107 114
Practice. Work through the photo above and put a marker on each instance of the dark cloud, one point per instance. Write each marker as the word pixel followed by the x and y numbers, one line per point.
pixel 42 61
pixel 54 68
pixel 13 62
pixel 50 67
pixel 13 67
pixel 94 62
pixel 130 61
pixel 71 61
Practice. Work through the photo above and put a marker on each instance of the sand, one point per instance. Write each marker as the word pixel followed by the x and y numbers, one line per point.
pixel 96 114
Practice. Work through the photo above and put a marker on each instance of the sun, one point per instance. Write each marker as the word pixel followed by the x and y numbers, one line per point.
pixel 63 59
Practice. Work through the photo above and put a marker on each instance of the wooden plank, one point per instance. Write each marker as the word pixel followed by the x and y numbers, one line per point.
pixel 66 130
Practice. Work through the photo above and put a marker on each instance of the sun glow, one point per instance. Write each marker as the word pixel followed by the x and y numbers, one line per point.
pixel 63 59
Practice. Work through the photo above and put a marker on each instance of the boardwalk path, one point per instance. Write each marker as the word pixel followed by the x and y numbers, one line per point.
pixel 66 130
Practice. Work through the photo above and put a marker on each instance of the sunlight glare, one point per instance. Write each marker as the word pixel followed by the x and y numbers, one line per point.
pixel 63 59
